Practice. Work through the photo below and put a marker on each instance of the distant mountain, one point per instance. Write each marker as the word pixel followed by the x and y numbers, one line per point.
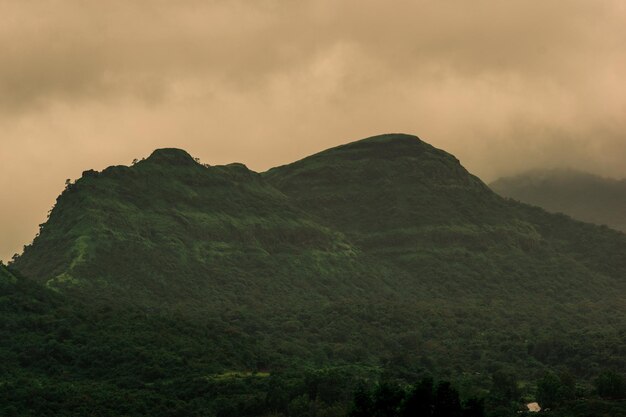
pixel 583 196
pixel 380 256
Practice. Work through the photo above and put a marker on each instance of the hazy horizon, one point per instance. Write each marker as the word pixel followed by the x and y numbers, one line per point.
pixel 505 87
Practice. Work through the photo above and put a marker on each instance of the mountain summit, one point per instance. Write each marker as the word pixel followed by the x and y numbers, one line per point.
pixel 171 156
pixel 395 180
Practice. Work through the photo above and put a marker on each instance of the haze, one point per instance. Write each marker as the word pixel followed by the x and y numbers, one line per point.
pixel 505 86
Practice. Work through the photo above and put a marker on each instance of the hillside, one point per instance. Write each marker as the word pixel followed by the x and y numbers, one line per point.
pixel 170 230
pixel 490 263
pixel 63 357
pixel 380 257
pixel 583 196
pixel 415 206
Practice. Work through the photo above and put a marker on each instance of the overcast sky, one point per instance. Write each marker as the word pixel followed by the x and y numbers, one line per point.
pixel 504 85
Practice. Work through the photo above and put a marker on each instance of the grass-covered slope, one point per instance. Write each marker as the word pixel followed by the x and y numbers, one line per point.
pixel 583 196
pixel 171 230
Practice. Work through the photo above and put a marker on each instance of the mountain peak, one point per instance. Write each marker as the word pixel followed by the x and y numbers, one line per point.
pixel 171 156
pixel 390 137
pixel 386 154
pixel 411 179
pixel 388 145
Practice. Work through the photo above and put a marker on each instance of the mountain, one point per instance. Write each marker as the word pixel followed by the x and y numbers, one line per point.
pixel 170 230
pixel 583 196
pixel 414 206
pixel 489 262
pixel 218 288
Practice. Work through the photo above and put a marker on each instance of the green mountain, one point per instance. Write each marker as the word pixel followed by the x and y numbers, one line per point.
pixel 169 230
pixel 487 262
pixel 583 196
pixel 217 288
pixel 416 208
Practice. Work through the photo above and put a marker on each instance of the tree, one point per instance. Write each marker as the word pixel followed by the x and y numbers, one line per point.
pixel 363 404
pixel 504 388
pixel 567 391
pixel 446 403
pixel 611 385
pixel 387 400
pixel 548 389
pixel 474 407
pixel 419 401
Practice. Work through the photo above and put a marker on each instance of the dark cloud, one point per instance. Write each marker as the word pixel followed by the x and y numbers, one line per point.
pixel 505 86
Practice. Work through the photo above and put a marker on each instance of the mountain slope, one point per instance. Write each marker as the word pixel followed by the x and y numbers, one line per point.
pixel 495 263
pixel 171 230
pixel 581 195
pixel 415 206
pixel 63 357
pixel 392 179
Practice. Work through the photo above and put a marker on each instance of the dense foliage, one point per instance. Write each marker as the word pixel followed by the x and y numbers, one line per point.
pixel 174 288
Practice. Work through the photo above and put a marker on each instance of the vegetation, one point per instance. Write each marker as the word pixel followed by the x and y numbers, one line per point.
pixel 423 399
pixel 173 288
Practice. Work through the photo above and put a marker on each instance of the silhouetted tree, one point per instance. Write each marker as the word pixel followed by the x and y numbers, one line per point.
pixel 363 404
pixel 419 401
pixel 611 385
pixel 474 407
pixel 446 402
pixel 387 400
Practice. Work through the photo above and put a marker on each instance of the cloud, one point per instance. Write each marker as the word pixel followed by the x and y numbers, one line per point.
pixel 86 49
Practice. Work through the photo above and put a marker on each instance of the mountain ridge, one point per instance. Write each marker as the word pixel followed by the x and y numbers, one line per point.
pixel 188 213
pixel 404 189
